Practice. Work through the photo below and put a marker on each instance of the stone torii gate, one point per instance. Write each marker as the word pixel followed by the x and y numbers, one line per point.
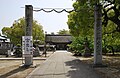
pixel 97 32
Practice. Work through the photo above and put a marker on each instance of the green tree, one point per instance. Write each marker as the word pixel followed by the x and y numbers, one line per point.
pixel 77 45
pixel 16 31
pixel 81 21
pixel 111 26
pixel 81 24
pixel 63 32
pixel 111 38
pixel 111 12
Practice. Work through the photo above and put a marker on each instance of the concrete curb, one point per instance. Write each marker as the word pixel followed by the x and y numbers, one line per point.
pixel 21 58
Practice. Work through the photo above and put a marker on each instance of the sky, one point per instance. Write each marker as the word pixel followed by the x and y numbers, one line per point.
pixel 52 22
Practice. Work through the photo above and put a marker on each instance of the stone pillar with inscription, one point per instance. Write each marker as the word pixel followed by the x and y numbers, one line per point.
pixel 28 19
pixel 28 55
pixel 98 35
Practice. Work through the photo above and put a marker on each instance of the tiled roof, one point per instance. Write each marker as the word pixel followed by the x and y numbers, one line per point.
pixel 2 39
pixel 59 38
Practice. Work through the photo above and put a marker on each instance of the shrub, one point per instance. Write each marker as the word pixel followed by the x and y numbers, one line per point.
pixel 18 51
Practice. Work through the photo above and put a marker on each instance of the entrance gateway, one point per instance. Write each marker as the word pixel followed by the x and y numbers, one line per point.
pixel 28 55
pixel 60 41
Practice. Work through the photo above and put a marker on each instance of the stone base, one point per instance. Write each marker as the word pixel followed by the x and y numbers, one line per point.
pixel 86 54
pixel 77 54
pixel 99 65
pixel 27 66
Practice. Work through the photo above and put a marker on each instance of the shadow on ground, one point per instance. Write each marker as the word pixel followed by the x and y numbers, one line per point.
pixel 80 70
pixel 13 72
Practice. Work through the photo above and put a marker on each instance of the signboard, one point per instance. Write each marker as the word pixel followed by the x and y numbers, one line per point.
pixel 27 45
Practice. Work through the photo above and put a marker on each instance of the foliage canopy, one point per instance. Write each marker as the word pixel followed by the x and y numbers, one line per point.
pixel 81 21
pixel 63 32
pixel 16 31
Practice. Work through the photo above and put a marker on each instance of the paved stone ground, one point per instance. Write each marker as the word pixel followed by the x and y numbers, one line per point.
pixel 63 65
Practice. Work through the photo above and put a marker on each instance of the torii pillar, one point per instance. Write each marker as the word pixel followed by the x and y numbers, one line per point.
pixel 98 36
pixel 28 35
